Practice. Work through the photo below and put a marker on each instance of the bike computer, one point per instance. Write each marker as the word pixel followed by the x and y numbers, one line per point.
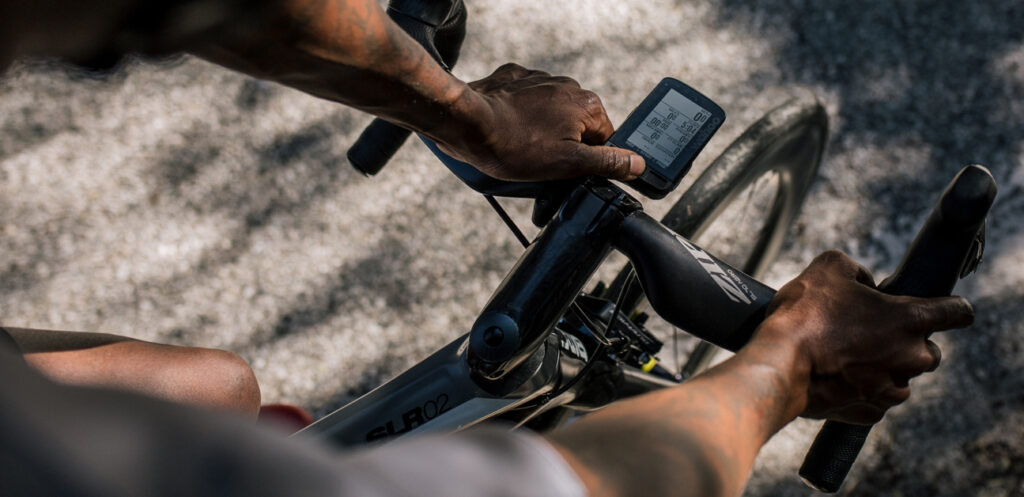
pixel 669 128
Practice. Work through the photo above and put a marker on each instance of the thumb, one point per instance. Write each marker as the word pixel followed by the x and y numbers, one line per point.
pixel 610 162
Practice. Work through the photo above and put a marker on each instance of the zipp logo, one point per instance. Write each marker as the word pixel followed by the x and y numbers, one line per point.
pixel 733 288
pixel 574 346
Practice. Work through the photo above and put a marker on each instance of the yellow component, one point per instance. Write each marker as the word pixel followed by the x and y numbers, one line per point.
pixel 649 365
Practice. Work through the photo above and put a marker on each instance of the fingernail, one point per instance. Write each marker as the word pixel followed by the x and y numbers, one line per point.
pixel 636 166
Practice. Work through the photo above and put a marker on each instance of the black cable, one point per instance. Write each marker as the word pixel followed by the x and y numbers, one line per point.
pixel 601 336
pixel 600 347
pixel 508 220
pixel 622 297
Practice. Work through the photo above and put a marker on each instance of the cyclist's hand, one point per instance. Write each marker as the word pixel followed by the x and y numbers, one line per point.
pixel 863 345
pixel 541 127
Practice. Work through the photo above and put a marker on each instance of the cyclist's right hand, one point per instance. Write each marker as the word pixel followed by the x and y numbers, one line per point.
pixel 861 346
pixel 528 125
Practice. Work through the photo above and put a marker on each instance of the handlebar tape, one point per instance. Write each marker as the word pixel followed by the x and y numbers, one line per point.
pixel 376 145
pixel 930 268
pixel 440 27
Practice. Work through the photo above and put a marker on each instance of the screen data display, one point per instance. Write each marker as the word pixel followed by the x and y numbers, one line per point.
pixel 668 128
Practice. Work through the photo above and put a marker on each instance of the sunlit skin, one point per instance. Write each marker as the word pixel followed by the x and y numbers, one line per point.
pixel 832 345
pixel 205 377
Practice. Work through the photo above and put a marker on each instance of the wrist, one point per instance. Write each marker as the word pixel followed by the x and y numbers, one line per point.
pixel 467 118
pixel 779 352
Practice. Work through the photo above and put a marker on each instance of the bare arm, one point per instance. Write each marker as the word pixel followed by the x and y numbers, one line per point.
pixel 832 346
pixel 347 51
pixel 515 124
pixel 699 439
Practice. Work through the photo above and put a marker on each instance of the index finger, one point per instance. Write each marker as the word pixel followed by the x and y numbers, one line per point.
pixel 598 128
pixel 942 313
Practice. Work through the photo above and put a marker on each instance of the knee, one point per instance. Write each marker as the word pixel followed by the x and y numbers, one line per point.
pixel 240 390
pixel 220 379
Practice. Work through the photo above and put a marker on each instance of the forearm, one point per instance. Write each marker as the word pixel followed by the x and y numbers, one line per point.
pixel 699 439
pixel 515 124
pixel 349 51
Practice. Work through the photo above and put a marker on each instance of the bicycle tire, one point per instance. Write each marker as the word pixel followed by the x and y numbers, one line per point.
pixel 787 142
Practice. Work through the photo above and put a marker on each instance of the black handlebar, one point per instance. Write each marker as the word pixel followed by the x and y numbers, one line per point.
pixel 931 267
pixel 440 27
pixel 725 312
pixel 946 248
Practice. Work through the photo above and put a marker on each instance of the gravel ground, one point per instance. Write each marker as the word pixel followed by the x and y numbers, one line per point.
pixel 183 203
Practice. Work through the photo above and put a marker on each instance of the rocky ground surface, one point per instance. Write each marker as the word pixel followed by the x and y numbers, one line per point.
pixel 183 203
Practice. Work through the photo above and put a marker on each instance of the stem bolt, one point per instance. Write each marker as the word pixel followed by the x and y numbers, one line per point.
pixel 493 336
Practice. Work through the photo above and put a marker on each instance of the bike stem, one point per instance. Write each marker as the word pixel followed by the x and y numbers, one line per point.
pixel 542 285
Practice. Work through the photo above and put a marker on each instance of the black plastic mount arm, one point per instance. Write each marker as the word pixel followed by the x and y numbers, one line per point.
pixel 689 287
pixel 937 258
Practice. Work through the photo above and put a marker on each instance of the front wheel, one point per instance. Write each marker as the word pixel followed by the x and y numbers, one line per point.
pixel 743 204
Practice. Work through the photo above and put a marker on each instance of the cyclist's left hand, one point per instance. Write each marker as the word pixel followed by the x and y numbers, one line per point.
pixel 863 346
pixel 531 125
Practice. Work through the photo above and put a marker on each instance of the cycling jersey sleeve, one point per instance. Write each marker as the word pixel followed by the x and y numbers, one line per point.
pixel 7 341
pixel 60 441
pixel 483 462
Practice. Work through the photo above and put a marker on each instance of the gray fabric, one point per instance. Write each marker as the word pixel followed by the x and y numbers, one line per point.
pixel 487 462
pixel 7 341
pixel 66 441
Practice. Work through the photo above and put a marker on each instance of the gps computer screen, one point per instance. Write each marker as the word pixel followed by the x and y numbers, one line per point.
pixel 668 128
